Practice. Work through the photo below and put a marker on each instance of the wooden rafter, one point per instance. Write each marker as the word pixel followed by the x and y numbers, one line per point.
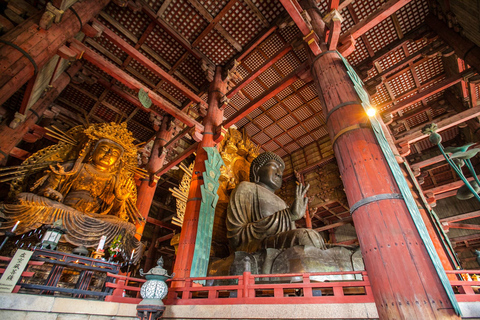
pixel 114 71
pixel 131 51
pixel 373 19
pixel 215 25
pixel 442 85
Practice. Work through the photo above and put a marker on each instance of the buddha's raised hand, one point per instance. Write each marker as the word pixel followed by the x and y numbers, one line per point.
pixel 299 206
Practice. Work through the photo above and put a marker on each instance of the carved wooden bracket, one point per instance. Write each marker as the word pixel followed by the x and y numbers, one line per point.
pixel 196 134
pixel 51 15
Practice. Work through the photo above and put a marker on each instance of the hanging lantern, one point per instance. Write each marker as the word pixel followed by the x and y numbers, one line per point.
pixel 52 236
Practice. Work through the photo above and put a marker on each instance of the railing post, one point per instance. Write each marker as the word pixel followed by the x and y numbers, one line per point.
pixel 246 282
pixel 307 290
pixel 188 284
pixel 368 288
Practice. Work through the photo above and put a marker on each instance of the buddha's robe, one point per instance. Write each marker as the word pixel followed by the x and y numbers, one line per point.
pixel 257 218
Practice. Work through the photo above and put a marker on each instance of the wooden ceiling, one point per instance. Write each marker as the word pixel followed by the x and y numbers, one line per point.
pixel 411 74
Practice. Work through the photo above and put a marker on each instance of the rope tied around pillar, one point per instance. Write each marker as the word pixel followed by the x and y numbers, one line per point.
pixel 29 57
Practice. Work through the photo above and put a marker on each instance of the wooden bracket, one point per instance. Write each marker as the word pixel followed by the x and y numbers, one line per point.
pixel 93 31
pixel 335 28
pixel 313 42
pixel 224 101
pixel 51 15
pixel 219 134
pixel 348 47
pixel 68 54
pixel 196 134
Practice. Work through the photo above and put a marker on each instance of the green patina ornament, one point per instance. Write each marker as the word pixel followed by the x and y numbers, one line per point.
pixel 209 189
pixel 144 98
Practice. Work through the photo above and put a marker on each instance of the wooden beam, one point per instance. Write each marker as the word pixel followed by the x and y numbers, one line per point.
pixel 267 64
pixel 174 34
pixel 373 19
pixel 132 83
pixel 285 82
pixel 214 22
pixel 122 44
pixel 463 226
pixel 204 12
pixel 190 150
pixel 427 50
pixel 334 225
pixel 461 217
pixel 162 224
pixel 442 85
pixel 442 125
pixel 460 239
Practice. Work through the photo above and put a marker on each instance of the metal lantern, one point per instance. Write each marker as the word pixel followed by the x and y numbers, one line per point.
pixel 152 292
pixel 52 236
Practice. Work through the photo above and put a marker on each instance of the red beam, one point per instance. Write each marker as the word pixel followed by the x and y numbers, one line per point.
pixel 132 83
pixel 442 85
pixel 162 224
pixel 294 10
pixel 212 23
pixel 461 217
pixel 464 226
pixel 442 125
pixel 177 160
pixel 260 70
pixel 131 51
pixel 333 5
pixel 375 18
pixel 173 33
pixel 255 43
pixel 288 80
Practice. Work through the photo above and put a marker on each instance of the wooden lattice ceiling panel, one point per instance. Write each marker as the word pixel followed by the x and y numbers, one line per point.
pixel 360 53
pixel 412 15
pixel 191 69
pixel 241 23
pixel 402 84
pixel 185 19
pixel 76 98
pixel 391 59
pixel 217 48
pixel 134 22
pixel 164 45
pixel 269 9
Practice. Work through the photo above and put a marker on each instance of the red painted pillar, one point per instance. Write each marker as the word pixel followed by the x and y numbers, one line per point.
pixel 404 282
pixel 40 45
pixel 188 236
pixel 147 187
pixel 9 137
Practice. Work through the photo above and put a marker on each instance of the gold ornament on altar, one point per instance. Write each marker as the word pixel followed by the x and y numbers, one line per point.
pixel 86 180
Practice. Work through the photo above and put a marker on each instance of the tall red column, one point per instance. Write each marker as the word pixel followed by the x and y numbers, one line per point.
pixel 39 45
pixel 9 137
pixel 212 120
pixel 404 281
pixel 147 187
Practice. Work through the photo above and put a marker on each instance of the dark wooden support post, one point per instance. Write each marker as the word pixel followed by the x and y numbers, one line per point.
pixel 212 123
pixel 9 137
pixel 404 282
pixel 39 45
pixel 152 251
pixel 147 187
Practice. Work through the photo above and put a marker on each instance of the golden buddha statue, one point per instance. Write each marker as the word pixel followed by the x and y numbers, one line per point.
pixel 88 184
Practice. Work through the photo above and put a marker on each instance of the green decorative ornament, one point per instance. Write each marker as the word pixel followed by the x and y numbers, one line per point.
pixel 144 98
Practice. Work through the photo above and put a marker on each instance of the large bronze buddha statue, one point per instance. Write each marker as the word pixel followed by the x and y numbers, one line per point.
pixel 88 184
pixel 259 219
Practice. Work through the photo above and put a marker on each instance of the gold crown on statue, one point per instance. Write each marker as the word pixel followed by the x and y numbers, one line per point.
pixel 118 133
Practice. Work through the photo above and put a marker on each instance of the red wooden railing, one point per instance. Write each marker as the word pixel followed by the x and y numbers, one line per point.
pixel 466 291
pixel 255 289
pixel 294 288
pixel 120 287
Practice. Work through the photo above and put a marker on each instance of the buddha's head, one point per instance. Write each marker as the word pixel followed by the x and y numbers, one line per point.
pixel 106 154
pixel 267 170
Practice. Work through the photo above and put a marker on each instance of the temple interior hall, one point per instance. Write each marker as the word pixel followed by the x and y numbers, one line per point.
pixel 239 159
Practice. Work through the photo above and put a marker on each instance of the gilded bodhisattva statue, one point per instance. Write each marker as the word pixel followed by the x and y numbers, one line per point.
pixel 88 184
